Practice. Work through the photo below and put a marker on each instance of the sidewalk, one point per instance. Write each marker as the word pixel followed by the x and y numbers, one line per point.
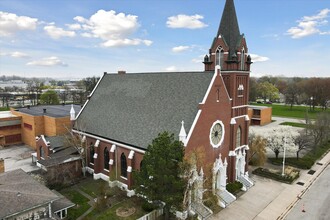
pixel 270 199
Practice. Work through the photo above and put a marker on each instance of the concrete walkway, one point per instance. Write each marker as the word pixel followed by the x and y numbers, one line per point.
pixel 91 203
pixel 270 199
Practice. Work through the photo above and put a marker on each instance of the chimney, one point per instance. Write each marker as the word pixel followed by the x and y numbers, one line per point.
pixel 44 110
pixel 121 72
pixel 2 165
pixel 28 106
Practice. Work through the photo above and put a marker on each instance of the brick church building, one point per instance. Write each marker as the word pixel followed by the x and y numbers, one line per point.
pixel 207 109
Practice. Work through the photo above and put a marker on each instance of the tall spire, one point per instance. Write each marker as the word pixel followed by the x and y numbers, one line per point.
pixel 229 28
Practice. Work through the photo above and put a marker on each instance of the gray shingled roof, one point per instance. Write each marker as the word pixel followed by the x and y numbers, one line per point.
pixel 55 141
pixel 229 28
pixel 19 191
pixel 56 111
pixel 135 108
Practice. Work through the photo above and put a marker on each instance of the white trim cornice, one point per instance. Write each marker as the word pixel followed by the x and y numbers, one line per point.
pixel 110 142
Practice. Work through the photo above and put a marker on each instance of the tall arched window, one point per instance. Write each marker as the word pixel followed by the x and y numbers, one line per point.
pixel 238 137
pixel 106 158
pixel 123 164
pixel 141 164
pixel 242 59
pixel 219 57
pixel 42 152
pixel 91 153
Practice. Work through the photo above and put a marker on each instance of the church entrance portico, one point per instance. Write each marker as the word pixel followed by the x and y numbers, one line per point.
pixel 241 174
pixel 219 182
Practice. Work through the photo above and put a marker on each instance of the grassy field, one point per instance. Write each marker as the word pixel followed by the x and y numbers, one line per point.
pixel 111 212
pixel 4 109
pixel 295 112
pixel 81 203
pixel 294 124
pixel 94 188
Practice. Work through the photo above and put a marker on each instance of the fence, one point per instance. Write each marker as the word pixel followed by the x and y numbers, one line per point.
pixel 152 215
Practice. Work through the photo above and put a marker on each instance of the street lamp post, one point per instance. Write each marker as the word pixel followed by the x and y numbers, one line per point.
pixel 284 156
pixel 311 103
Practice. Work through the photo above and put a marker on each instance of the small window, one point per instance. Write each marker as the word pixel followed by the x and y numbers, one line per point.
pixel 91 153
pixel 123 164
pixel 219 57
pixel 242 59
pixel 106 158
pixel 238 137
pixel 42 152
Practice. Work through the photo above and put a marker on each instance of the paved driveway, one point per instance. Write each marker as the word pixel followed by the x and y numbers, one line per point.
pixel 18 156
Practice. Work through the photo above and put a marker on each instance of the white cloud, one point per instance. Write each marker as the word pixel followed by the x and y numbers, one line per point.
pixel 113 28
pixel 15 54
pixel 47 61
pixel 125 42
pixel 74 26
pixel 256 58
pixel 185 21
pixel 171 69
pixel 199 59
pixel 56 32
pixel 11 23
pixel 179 49
pixel 309 25
pixel 18 54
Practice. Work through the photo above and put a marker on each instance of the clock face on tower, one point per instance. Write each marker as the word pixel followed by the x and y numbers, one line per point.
pixel 217 133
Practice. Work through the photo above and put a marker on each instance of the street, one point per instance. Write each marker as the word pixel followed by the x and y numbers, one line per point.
pixel 315 203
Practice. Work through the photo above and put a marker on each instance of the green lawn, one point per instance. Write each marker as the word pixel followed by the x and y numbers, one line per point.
pixel 111 212
pixel 294 124
pixel 4 109
pixel 116 198
pixel 81 203
pixel 295 112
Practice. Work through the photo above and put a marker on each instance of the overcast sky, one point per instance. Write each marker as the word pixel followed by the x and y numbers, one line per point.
pixel 81 38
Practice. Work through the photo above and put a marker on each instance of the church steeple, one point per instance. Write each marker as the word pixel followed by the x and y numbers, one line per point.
pixel 229 29
pixel 228 49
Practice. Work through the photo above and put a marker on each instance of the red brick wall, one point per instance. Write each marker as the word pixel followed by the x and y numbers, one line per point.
pixel 211 112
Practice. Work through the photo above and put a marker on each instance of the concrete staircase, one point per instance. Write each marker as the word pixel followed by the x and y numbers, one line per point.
pixel 202 211
pixel 247 183
pixel 226 198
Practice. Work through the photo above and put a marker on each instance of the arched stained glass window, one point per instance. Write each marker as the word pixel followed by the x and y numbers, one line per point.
pixel 123 164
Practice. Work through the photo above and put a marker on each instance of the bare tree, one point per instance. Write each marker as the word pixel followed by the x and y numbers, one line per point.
pixel 78 141
pixel 302 141
pixel 320 128
pixel 257 152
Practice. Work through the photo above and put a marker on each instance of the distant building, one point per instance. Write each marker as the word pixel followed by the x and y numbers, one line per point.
pixel 22 197
pixel 10 128
pixel 260 115
pixel 49 120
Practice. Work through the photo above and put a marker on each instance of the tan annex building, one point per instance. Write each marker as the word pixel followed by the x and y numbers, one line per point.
pixel 260 115
pixel 49 120
pixel 10 129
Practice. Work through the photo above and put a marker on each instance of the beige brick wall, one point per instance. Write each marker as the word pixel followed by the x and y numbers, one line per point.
pixel 41 125
pixel 10 131
pixel 50 126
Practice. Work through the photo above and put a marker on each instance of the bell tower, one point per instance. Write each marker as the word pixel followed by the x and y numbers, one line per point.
pixel 229 50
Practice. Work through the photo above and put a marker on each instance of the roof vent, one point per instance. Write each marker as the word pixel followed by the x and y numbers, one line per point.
pixel 121 72
pixel 44 110
pixel 28 106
